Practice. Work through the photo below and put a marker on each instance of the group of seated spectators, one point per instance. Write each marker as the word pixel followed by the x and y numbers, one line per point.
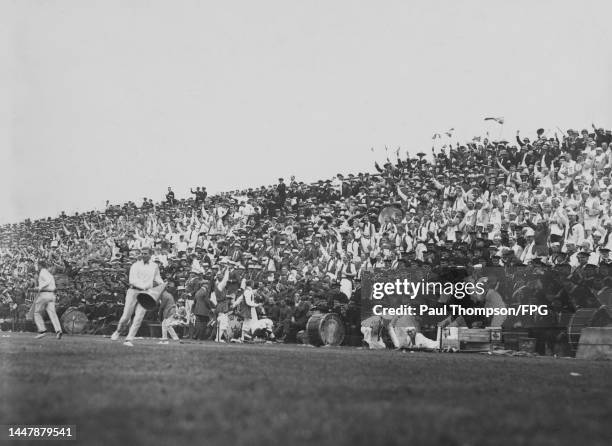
pixel 530 203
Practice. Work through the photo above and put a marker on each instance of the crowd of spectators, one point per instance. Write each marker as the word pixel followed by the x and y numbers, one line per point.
pixel 529 203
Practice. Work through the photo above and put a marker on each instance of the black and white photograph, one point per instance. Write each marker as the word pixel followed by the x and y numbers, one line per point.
pixel 284 222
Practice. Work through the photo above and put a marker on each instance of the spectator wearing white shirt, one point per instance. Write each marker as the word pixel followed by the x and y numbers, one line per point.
pixel 160 256
pixel 607 235
pixel 528 253
pixel 575 232
pixel 196 267
pixel 181 246
pixel 515 247
pixel 572 255
pixel 134 243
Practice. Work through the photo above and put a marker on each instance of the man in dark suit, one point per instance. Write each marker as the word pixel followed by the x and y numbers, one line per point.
pixel 298 320
pixel 170 196
pixel 203 309
pixel 281 188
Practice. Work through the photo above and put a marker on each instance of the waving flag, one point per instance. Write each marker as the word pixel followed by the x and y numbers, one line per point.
pixel 498 120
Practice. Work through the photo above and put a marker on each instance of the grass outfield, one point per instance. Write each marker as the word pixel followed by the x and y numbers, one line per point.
pixel 210 394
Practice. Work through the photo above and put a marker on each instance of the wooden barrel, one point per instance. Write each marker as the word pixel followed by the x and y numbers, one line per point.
pixel 73 321
pixel 583 318
pixel 325 329
pixel 595 343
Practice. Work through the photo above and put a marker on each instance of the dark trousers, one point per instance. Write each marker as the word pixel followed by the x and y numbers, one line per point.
pixel 282 328
pixel 294 328
pixel 202 330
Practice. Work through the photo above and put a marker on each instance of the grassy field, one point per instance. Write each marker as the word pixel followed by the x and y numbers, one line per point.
pixel 209 394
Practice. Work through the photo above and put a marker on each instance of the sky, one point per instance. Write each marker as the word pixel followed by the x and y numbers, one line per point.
pixel 117 100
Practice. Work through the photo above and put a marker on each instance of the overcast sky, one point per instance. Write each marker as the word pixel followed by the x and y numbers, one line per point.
pixel 119 99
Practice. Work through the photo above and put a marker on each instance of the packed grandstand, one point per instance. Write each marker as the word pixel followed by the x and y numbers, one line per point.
pixel 533 215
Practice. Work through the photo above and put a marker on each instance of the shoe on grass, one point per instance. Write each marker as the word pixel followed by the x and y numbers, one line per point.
pixel 41 335
pixel 115 336
pixel 128 344
pixel 58 335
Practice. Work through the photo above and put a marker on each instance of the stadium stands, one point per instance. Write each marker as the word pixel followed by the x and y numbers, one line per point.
pixel 537 205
